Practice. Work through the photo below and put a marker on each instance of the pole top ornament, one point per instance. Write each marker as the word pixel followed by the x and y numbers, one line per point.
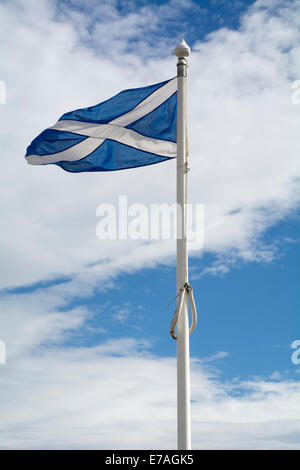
pixel 182 50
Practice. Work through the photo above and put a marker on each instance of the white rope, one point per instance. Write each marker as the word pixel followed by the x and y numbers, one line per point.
pixel 185 290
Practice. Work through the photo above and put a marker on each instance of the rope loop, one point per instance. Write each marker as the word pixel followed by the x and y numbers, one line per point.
pixel 185 290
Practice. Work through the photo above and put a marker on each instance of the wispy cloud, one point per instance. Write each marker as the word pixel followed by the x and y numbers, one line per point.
pixel 216 356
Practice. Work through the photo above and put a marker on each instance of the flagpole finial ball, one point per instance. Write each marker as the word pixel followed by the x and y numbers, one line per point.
pixel 182 50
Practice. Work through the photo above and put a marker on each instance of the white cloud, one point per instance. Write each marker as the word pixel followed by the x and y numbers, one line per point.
pixel 275 376
pixel 214 357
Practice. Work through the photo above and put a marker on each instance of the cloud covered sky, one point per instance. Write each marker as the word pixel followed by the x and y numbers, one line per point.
pixel 70 380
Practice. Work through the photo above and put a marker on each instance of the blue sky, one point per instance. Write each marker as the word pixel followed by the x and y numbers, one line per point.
pixel 191 19
pixel 85 321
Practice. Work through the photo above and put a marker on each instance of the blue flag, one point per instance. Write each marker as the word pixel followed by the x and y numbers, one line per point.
pixel 135 128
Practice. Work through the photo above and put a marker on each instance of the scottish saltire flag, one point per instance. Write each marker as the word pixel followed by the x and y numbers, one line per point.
pixel 135 128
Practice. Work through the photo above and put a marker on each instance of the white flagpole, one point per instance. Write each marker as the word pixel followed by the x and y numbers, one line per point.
pixel 183 361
